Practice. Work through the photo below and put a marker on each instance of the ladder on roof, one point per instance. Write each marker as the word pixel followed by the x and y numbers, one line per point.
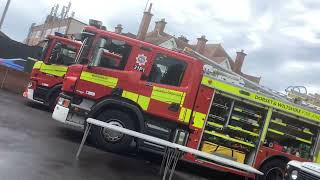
pixel 246 83
pixel 243 82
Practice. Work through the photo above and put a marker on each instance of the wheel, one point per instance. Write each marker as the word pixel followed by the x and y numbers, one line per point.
pixel 53 100
pixel 273 170
pixel 110 140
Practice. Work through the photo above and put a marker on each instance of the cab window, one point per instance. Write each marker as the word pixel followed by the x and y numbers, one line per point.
pixel 63 54
pixel 111 53
pixel 167 70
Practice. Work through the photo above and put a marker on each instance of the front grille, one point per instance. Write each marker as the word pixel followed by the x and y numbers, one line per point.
pixel 303 175
pixel 40 93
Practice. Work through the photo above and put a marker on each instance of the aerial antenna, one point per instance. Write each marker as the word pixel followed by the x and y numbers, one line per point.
pixel 145 9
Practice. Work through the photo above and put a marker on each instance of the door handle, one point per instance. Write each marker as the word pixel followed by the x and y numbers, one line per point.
pixel 174 107
pixel 149 84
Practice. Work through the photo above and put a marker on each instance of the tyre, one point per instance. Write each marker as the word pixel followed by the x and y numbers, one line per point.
pixel 111 140
pixel 273 170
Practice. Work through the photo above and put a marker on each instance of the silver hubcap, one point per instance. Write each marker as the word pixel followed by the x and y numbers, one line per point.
pixel 112 136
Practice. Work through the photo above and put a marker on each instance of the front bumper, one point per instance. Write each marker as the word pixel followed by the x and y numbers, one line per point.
pixel 29 94
pixel 68 113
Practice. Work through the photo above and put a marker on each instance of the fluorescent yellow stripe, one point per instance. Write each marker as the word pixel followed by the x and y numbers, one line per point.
pixel 303 140
pixel 318 158
pixel 37 65
pixel 215 124
pixel 278 122
pixel 198 119
pixel 275 131
pixel 260 99
pixel 99 79
pixel 185 114
pixel 143 101
pixel 54 69
pixel 235 118
pixel 243 130
pixel 166 95
pixel 130 95
pixel 229 138
pixel 182 101
pixel 182 113
pixel 266 125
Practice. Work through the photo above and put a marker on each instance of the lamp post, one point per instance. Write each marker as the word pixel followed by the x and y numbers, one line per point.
pixel 4 13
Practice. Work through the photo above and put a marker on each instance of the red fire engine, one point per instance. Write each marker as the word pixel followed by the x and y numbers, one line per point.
pixel 183 99
pixel 47 75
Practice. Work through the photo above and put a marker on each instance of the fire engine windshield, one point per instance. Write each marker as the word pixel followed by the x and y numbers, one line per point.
pixel 63 54
pixel 110 53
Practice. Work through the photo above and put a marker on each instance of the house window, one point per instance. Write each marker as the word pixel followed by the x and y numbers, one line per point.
pixel 167 70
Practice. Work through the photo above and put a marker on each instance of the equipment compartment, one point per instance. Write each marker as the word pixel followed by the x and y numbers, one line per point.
pixel 288 134
pixel 234 126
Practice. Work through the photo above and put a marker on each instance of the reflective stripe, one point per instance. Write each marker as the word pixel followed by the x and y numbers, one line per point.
pixel 37 65
pixel 266 125
pixel 260 98
pixel 143 101
pixel 130 95
pixel 167 95
pixel 185 114
pixel 183 97
pixel 198 119
pixel 99 79
pixel 318 158
pixel 54 69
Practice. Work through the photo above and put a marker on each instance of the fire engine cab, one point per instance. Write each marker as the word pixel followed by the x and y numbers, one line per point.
pixel 47 74
pixel 183 98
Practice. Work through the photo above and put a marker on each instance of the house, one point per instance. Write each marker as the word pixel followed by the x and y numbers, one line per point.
pixel 214 52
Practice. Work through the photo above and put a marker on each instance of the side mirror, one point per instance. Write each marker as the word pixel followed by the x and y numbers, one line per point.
pixel 84 61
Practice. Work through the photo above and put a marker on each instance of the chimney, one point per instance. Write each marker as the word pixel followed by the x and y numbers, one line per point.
pixel 239 61
pixel 160 25
pixel 183 38
pixel 118 29
pixel 144 25
pixel 201 44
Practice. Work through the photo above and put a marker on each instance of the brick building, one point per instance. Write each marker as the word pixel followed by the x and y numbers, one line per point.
pixel 68 26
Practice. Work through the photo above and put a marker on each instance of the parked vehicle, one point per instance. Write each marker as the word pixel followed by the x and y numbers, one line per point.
pixel 178 97
pixel 302 171
pixel 47 74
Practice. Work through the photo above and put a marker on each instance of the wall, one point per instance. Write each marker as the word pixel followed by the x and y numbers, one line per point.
pixel 14 81
pixel 75 27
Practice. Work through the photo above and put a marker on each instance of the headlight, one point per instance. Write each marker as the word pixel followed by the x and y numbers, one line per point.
pixel 63 102
pixel 294 174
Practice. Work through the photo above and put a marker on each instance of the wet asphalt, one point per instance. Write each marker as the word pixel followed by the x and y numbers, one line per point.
pixel 33 146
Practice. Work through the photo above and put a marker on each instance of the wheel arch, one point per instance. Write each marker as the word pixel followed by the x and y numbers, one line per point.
pixel 271 158
pixel 121 104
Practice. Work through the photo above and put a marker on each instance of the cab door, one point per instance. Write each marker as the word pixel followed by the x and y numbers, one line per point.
pixel 107 69
pixel 171 86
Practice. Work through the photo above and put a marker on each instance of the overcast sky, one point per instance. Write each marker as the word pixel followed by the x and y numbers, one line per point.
pixel 281 38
